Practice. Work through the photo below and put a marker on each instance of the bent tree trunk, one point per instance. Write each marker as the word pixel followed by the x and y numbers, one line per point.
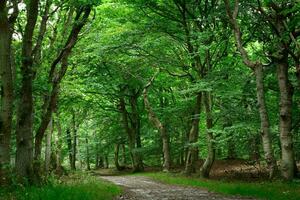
pixel 285 120
pixel 264 122
pixel 192 154
pixel 56 76
pixel 257 67
pixel 7 93
pixel 206 168
pixel 24 135
pixel 161 127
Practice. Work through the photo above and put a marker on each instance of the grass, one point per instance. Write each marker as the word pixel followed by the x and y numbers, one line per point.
pixel 76 187
pixel 263 190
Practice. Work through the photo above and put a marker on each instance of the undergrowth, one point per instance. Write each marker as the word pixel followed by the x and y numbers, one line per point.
pixel 73 187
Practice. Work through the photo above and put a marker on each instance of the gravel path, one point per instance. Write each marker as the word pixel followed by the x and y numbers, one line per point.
pixel 143 188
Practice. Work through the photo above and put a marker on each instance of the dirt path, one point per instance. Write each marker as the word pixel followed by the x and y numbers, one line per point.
pixel 143 188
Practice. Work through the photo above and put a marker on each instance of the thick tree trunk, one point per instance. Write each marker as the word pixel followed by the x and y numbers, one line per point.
pixel 123 155
pixel 206 167
pixel 116 157
pixel 264 122
pixel 24 135
pixel 192 154
pixel 7 93
pixel 48 147
pixel 137 163
pixel 88 166
pixel 285 120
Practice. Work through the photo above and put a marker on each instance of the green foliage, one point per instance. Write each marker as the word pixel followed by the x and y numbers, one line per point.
pixel 76 187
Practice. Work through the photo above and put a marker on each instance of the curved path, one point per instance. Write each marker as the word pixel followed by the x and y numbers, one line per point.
pixel 143 188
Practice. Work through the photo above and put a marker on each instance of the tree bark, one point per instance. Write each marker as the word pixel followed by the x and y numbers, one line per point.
pixel 48 147
pixel 123 155
pixel 264 122
pixel 192 154
pixel 137 163
pixel 55 79
pixel 74 143
pixel 206 167
pixel 24 135
pixel 59 168
pixel 135 123
pixel 6 93
pixel 88 166
pixel 258 69
pixel 285 119
pixel 106 161
pixel 161 127
pixel 116 157
pixel 69 143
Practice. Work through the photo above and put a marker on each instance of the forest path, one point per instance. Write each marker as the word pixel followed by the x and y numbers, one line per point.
pixel 143 188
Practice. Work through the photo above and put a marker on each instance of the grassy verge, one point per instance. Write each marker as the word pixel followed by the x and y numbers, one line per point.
pixel 263 190
pixel 76 187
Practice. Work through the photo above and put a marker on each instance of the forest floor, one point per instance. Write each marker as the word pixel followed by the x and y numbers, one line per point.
pixel 229 180
pixel 140 187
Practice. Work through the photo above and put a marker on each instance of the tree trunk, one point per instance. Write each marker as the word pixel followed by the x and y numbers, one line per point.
pixel 136 132
pixel 192 154
pixel 116 157
pixel 285 120
pixel 69 143
pixel 24 135
pixel 101 162
pixel 97 165
pixel 161 127
pixel 59 168
pixel 87 154
pixel 137 163
pixel 264 122
pixel 6 93
pixel 106 161
pixel 48 146
pixel 206 168
pixel 123 155
pixel 55 79
pixel 74 147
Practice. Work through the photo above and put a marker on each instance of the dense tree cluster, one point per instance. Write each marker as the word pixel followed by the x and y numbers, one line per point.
pixel 148 83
